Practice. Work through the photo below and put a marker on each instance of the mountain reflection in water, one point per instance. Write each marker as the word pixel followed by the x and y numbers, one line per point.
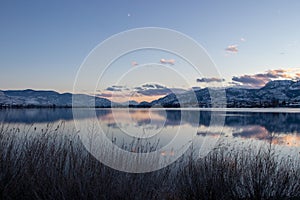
pixel 280 127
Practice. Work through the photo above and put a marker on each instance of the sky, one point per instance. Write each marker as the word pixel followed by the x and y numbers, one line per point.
pixel 43 43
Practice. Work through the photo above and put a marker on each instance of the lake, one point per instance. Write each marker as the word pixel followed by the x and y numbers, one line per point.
pixel 280 125
pixel 60 149
pixel 171 129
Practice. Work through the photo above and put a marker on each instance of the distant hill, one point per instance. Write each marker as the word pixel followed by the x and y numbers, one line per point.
pixel 279 93
pixel 33 98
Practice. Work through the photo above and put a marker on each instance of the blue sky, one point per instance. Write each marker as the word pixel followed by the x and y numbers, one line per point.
pixel 43 43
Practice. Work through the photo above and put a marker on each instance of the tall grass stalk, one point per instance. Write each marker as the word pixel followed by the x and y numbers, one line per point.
pixel 49 164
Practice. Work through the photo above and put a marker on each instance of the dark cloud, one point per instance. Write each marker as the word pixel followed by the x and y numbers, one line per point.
pixel 153 90
pixel 159 86
pixel 146 90
pixel 148 86
pixel 116 88
pixel 113 89
pixel 249 80
pixel 156 89
pixel 208 80
pixel 260 79
pixel 267 75
pixel 138 88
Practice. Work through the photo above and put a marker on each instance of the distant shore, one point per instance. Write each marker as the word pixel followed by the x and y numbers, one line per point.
pixel 138 106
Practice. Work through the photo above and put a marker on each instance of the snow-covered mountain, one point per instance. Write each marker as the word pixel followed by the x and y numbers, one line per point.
pixel 25 98
pixel 273 94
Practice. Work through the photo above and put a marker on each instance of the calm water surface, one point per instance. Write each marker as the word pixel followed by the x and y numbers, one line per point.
pixel 280 127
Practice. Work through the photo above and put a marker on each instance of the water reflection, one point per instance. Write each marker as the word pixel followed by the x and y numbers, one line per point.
pixel 34 116
pixel 280 128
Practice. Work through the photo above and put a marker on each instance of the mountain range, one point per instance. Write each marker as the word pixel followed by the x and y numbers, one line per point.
pixel 33 98
pixel 278 93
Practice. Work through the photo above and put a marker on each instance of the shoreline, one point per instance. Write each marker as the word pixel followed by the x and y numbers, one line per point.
pixel 254 109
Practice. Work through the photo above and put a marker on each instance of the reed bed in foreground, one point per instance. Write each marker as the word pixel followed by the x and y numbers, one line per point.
pixel 49 164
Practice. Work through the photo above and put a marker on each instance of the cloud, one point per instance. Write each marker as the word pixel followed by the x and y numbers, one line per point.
pixel 152 90
pixel 134 63
pixel 209 80
pixel 157 90
pixel 113 89
pixel 260 79
pixel 232 48
pixel 146 91
pixel 116 91
pixel 116 88
pixel 149 86
pixel 153 86
pixel 170 61
pixel 287 76
pixel 251 80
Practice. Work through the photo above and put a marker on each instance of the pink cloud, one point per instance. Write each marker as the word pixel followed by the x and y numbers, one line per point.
pixel 232 48
pixel 170 61
pixel 134 63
